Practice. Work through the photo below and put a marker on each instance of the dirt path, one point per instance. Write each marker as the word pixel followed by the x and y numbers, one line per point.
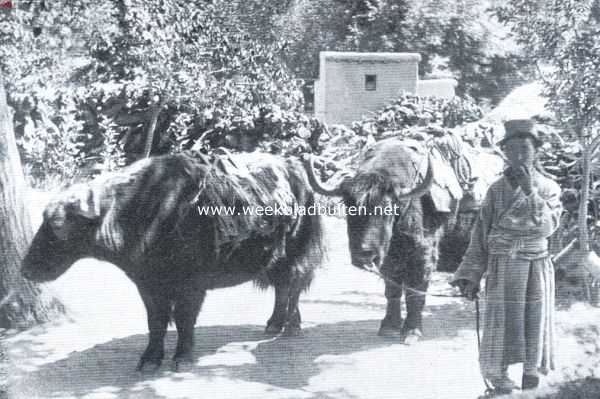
pixel 339 355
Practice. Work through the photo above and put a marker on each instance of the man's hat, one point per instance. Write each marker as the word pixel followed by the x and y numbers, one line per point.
pixel 520 128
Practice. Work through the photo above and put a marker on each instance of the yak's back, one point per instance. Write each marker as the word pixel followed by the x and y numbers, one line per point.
pixel 145 201
pixel 248 195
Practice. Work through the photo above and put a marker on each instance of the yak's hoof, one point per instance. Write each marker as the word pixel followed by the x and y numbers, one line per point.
pixel 291 331
pixel 148 366
pixel 413 336
pixel 273 329
pixel 182 363
pixel 390 332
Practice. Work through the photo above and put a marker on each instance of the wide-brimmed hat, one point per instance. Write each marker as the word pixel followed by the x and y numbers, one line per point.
pixel 520 128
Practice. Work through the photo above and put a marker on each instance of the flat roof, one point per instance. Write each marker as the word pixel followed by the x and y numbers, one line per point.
pixel 439 80
pixel 369 57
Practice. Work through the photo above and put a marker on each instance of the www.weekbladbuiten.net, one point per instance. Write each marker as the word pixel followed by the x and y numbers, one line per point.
pixel 315 209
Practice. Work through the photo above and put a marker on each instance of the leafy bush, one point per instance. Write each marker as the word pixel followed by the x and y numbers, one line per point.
pixel 267 126
pixel 458 38
pixel 49 137
pixel 206 85
pixel 410 110
pixel 120 73
pixel 180 72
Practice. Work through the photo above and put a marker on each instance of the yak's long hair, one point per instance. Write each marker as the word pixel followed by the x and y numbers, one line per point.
pixel 271 182
pixel 369 189
pixel 241 192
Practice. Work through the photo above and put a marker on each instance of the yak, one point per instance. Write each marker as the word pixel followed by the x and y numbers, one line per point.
pixel 153 220
pixel 402 244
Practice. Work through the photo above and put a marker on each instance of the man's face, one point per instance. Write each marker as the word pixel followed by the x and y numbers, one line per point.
pixel 520 151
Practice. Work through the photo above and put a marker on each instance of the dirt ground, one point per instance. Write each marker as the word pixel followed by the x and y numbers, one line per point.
pixel 94 352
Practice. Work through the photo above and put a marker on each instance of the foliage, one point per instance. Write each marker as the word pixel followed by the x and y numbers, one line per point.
pixel 39 55
pixel 458 38
pixel 285 132
pixel 267 126
pixel 421 118
pixel 50 152
pixel 562 35
pixel 410 110
pixel 98 85
pixel 130 69
pixel 198 75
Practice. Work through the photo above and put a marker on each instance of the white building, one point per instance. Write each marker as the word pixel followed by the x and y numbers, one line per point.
pixel 351 85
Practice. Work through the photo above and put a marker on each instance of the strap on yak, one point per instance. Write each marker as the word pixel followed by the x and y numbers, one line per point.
pixel 452 171
pixel 223 159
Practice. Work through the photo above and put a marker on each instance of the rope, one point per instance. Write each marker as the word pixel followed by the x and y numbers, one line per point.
pixel 416 292
pixel 7 298
pixel 423 293
pixel 219 154
pixel 489 389
pixel 450 148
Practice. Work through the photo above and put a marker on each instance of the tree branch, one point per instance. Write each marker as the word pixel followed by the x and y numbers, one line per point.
pixel 594 145
pixel 152 128
pixel 537 66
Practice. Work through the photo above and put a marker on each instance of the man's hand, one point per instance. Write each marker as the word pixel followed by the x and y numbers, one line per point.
pixel 468 289
pixel 523 175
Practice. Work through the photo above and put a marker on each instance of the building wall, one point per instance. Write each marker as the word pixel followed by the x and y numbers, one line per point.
pixel 319 100
pixel 340 94
pixel 437 87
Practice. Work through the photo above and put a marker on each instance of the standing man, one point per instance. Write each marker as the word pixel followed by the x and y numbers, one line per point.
pixel 509 244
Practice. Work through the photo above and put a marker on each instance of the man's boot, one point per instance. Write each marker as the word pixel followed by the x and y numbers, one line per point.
pixel 503 385
pixel 530 381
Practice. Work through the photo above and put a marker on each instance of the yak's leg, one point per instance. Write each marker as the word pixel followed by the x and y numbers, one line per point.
pixel 288 283
pixel 420 266
pixel 279 277
pixel 300 280
pixel 188 302
pixel 391 325
pixel 294 320
pixel 158 311
pixel 280 310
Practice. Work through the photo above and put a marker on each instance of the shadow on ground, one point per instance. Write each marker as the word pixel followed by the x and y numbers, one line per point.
pixel 239 353
pixel 585 388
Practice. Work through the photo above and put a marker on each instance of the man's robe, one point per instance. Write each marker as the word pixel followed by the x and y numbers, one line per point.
pixel 509 245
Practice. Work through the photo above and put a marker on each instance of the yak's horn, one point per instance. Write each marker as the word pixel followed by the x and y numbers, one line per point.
pixel 316 183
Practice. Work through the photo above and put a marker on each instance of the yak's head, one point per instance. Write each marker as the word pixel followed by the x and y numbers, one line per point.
pixel 374 200
pixel 66 234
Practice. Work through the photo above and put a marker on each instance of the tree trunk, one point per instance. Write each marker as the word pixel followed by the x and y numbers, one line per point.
pixel 584 236
pixel 156 108
pixel 22 303
pixel 584 240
